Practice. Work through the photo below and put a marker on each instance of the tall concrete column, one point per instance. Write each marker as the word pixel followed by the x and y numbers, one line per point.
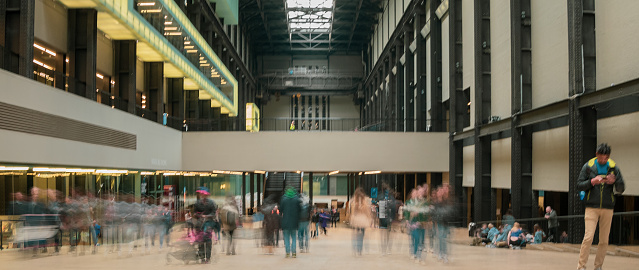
pixel 125 73
pixel 82 51
pixel 154 85
pixel 16 36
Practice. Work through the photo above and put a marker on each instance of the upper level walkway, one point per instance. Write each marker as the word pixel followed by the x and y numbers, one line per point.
pixel 333 251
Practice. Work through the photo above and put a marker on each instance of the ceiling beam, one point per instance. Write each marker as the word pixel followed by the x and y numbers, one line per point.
pixel 268 33
pixel 330 32
pixel 359 6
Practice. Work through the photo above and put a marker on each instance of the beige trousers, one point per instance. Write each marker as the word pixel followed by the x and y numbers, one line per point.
pixel 592 216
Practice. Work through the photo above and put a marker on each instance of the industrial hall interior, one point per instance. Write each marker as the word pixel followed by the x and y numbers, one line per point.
pixel 408 132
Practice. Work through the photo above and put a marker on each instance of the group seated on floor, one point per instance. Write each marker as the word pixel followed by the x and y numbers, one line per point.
pixel 507 235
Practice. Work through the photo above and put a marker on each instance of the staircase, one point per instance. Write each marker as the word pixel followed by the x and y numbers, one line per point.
pixel 277 182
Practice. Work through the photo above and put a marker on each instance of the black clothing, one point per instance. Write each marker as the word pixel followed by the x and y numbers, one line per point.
pixel 602 195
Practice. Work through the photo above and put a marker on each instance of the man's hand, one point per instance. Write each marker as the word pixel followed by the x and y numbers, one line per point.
pixel 610 179
pixel 596 181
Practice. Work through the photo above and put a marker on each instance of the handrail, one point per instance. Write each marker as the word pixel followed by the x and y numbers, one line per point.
pixel 558 217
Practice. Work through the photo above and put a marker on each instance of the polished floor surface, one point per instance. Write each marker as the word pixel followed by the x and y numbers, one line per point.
pixel 333 251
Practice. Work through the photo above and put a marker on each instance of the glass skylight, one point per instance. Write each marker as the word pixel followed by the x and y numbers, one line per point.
pixel 309 16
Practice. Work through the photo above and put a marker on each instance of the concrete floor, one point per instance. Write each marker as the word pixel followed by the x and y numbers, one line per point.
pixel 331 251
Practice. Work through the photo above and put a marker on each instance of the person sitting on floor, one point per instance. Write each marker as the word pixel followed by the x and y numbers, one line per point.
pixel 515 239
pixel 529 237
pixel 539 234
pixel 502 239
pixel 492 233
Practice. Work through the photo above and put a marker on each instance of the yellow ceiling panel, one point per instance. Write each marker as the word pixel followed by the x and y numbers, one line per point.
pixel 78 3
pixel 215 103
pixel 189 84
pixel 204 95
pixel 224 110
pixel 147 53
pixel 170 71
pixel 112 27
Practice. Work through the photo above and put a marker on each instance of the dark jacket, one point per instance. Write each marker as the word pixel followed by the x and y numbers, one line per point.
pixel 600 196
pixel 290 209
pixel 305 212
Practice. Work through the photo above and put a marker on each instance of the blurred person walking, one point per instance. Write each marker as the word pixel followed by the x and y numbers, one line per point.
pixel 305 218
pixel 271 221
pixel 416 213
pixel 359 211
pixel 324 218
pixel 315 219
pixel 387 215
pixel 601 179
pixel 290 205
pixel 230 217
pixel 444 211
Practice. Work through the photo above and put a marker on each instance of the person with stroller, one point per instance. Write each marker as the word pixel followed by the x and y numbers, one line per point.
pixel 205 210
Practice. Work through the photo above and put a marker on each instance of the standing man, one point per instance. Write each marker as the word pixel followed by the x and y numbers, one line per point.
pixel 601 179
pixel 553 224
pixel 290 206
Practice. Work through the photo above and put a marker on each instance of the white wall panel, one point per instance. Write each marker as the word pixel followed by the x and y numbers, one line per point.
pixel 139 78
pixel 617 41
pixel 469 166
pixel 392 22
pixel 549 51
pixel 445 58
pixel 384 26
pixel 406 4
pixel 344 151
pixel 550 160
pixel 500 163
pixel 158 147
pixel 50 24
pixel 399 11
pixel 104 59
pixel 343 107
pixel 380 36
pixel 500 92
pixel 620 132
pixel 468 48
pixel 428 77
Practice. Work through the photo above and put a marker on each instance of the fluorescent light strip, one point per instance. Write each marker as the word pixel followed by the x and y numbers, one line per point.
pixel 79 170
pixel 39 47
pixel 147 173
pixel 111 171
pixel 146 4
pixel 42 64
pixel 14 168
pixel 170 28
pixel 333 172
pixel 99 75
pixel 372 172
